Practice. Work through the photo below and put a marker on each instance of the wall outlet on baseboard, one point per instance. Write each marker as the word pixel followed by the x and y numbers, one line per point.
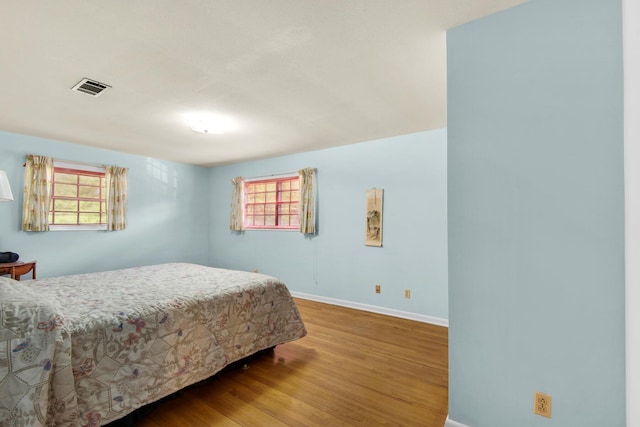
pixel 377 289
pixel 542 404
pixel 407 293
pixel 255 270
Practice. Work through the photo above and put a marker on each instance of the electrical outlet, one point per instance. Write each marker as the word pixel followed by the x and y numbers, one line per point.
pixel 407 293
pixel 377 289
pixel 255 270
pixel 542 404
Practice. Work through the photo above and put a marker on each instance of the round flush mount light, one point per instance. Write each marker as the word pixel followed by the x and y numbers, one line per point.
pixel 209 123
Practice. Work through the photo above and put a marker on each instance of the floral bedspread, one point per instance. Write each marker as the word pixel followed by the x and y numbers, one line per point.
pixel 88 349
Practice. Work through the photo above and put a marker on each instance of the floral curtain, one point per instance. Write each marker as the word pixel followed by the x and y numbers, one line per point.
pixel 38 175
pixel 116 183
pixel 236 221
pixel 307 200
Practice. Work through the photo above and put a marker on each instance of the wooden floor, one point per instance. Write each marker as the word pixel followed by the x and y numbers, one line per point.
pixel 352 369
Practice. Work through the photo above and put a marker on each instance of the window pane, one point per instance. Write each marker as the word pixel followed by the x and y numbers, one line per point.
pixel 65 177
pixel 89 218
pixel 90 192
pixel 90 180
pixel 65 190
pixel 65 205
pixel 90 207
pixel 271 197
pixel 65 218
pixel 283 220
pixel 69 187
pixel 272 203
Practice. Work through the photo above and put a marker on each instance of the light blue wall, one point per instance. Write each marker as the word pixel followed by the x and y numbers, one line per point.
pixel 168 213
pixel 180 212
pixel 536 239
pixel 336 264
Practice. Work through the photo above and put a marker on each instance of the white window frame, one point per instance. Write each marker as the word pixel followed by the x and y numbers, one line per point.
pixel 273 177
pixel 78 227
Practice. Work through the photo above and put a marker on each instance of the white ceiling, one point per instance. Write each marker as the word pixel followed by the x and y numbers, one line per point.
pixel 294 75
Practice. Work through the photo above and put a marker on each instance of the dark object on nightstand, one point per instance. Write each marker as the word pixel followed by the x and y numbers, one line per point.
pixel 8 257
pixel 17 269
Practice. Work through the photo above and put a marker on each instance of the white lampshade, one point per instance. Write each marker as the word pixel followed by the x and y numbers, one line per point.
pixel 5 188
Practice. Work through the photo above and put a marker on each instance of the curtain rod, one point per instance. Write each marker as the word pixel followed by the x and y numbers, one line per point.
pixel 69 162
pixel 271 175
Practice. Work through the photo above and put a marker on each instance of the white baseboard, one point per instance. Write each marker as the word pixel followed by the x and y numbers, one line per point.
pixel 451 423
pixel 375 309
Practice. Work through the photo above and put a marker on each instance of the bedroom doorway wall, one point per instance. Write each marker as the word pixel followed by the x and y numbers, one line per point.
pixel 631 45
pixel 536 237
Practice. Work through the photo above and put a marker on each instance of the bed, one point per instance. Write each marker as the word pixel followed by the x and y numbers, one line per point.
pixel 88 349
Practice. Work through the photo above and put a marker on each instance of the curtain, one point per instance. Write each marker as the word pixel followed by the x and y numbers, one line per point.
pixel 236 221
pixel 116 186
pixel 307 200
pixel 38 176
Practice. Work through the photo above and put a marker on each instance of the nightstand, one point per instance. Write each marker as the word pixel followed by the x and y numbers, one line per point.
pixel 18 268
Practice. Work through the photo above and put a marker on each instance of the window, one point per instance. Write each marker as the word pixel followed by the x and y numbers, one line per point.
pixel 272 203
pixel 78 198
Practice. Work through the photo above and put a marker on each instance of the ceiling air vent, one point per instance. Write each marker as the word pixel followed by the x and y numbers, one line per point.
pixel 90 87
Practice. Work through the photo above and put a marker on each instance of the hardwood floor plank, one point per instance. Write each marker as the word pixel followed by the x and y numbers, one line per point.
pixel 173 412
pixel 354 368
pixel 353 401
pixel 245 406
pixel 364 378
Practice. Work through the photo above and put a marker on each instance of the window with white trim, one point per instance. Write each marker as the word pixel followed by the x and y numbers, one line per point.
pixel 272 203
pixel 78 197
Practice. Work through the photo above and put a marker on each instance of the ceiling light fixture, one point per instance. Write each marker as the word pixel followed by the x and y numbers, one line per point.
pixel 209 123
